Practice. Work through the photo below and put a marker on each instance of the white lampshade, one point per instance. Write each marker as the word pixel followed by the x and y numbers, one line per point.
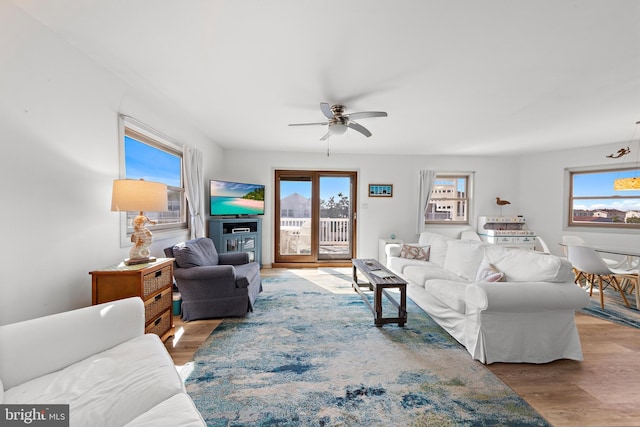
pixel 138 195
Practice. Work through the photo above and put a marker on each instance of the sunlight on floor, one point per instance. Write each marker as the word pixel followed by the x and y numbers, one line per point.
pixel 335 280
pixel 176 337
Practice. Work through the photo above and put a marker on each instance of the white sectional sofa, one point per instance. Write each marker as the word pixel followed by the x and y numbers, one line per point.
pixel 99 361
pixel 528 317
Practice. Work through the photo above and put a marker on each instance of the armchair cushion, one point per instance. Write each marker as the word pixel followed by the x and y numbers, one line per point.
pixel 196 253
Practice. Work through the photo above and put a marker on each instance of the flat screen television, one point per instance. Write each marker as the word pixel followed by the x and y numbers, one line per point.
pixel 228 198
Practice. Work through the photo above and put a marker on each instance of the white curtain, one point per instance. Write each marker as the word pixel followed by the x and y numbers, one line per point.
pixel 194 187
pixel 425 186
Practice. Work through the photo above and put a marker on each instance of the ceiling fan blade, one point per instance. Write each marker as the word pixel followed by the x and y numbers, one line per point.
pixel 363 130
pixel 326 110
pixel 365 114
pixel 326 136
pixel 308 124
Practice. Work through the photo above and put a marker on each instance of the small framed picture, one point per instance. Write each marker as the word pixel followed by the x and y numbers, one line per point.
pixel 380 190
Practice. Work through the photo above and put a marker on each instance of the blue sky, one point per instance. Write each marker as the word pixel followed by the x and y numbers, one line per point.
pixel 150 164
pixel 460 183
pixel 601 184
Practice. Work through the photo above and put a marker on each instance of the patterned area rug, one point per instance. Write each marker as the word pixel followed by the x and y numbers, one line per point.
pixel 614 308
pixel 310 355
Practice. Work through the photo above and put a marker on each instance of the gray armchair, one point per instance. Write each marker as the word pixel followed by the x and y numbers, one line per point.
pixel 211 284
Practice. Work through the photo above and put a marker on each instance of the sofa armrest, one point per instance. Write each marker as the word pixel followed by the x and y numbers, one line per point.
pixel 524 297
pixel 37 347
pixel 233 258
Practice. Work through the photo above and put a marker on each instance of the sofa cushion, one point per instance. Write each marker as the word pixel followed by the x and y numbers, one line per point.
pixel 463 258
pixel 398 264
pixel 195 253
pixel 437 246
pixel 528 266
pixel 449 292
pixel 419 274
pixel 415 252
pixel 109 388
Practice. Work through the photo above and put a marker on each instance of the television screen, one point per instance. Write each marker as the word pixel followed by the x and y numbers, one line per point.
pixel 235 198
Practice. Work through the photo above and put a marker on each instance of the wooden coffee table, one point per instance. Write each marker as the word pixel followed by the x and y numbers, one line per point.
pixel 380 279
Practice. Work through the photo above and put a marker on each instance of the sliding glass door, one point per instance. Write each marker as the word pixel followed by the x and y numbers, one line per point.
pixel 315 216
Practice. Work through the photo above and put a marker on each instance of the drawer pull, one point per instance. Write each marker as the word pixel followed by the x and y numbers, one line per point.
pixel 158 320
pixel 158 273
pixel 158 297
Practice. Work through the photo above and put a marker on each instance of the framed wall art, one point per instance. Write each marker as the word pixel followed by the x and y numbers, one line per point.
pixel 380 190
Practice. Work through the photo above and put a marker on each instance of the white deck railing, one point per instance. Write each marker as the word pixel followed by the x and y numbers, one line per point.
pixel 333 231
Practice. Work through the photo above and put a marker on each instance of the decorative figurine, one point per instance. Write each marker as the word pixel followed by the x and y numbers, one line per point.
pixel 141 239
pixel 621 152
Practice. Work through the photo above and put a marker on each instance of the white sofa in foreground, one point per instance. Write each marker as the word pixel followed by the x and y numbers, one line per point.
pixel 99 361
pixel 527 317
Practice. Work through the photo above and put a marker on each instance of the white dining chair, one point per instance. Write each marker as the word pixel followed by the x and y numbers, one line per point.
pixel 586 260
pixel 577 240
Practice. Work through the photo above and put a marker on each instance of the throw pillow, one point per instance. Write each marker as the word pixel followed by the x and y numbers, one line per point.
pixel 489 273
pixel 415 252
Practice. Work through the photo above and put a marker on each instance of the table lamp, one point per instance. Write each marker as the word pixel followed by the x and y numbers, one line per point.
pixel 139 195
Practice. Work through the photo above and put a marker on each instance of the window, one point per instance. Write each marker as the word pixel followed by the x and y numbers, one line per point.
pixel 593 201
pixel 449 202
pixel 150 156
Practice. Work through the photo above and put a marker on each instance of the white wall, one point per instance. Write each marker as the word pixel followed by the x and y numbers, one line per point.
pixel 378 217
pixel 59 126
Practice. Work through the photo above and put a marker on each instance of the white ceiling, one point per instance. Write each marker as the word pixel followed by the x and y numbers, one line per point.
pixel 456 77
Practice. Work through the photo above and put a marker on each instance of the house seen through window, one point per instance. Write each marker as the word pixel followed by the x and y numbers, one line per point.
pixel 449 202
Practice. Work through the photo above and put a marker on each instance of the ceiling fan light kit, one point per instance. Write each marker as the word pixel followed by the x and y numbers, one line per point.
pixel 338 122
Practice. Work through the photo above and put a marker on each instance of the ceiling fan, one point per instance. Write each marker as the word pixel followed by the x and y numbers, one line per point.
pixel 339 122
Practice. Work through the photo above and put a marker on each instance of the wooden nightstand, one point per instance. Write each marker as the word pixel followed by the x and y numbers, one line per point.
pixel 152 282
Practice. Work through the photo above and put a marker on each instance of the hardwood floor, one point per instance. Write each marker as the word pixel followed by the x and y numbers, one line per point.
pixel 601 391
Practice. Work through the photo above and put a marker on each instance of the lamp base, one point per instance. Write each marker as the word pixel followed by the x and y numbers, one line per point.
pixel 135 261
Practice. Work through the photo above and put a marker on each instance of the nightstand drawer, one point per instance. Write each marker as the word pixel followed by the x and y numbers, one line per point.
pixel 156 305
pixel 156 280
pixel 161 325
